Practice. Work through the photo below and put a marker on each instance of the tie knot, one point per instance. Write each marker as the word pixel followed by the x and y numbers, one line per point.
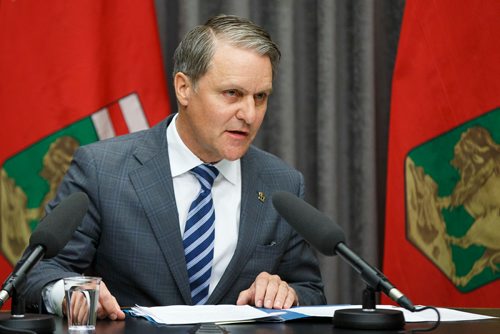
pixel 205 174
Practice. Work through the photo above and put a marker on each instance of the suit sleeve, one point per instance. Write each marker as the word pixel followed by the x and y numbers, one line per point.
pixel 77 256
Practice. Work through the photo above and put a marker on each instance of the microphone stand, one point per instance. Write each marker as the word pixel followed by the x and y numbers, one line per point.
pixel 369 317
pixel 18 320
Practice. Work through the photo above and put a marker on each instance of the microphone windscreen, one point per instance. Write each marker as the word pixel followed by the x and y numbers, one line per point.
pixel 313 225
pixel 55 229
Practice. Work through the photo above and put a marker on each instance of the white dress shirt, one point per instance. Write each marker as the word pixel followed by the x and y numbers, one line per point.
pixel 226 195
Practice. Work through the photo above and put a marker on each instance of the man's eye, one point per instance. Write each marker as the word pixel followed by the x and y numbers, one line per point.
pixel 231 92
pixel 260 96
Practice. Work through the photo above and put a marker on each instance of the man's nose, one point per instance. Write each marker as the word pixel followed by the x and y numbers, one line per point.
pixel 247 111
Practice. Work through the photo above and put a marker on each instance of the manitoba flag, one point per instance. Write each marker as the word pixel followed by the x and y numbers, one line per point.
pixel 442 239
pixel 71 73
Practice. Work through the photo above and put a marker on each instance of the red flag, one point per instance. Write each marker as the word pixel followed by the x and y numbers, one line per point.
pixel 71 73
pixel 442 239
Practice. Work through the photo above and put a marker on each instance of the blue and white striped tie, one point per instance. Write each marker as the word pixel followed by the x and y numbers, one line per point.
pixel 199 235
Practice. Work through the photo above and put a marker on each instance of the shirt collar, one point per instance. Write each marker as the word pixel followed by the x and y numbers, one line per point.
pixel 182 160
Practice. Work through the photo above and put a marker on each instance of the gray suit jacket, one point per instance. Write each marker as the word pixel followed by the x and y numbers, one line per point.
pixel 131 238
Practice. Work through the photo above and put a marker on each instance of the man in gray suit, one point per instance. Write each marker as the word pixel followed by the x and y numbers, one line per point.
pixel 141 187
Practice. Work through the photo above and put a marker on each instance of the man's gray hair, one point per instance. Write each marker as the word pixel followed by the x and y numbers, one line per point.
pixel 194 53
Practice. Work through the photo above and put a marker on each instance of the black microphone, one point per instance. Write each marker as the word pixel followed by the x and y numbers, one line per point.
pixel 50 236
pixel 328 237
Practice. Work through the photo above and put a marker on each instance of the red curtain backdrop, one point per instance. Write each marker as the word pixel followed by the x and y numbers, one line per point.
pixel 446 80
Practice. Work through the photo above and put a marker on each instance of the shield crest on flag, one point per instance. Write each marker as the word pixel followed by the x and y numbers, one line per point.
pixel 452 186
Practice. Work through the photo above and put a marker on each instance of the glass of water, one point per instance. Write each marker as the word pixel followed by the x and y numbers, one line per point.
pixel 82 295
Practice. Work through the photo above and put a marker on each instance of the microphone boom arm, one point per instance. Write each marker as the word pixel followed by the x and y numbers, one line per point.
pixel 373 277
pixel 19 275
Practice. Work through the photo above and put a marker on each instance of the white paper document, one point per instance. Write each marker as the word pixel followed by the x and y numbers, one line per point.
pixel 183 314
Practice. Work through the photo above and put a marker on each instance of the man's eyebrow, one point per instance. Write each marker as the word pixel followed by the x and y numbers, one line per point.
pixel 267 90
pixel 230 86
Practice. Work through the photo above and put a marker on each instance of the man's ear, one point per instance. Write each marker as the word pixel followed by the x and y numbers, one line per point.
pixel 182 85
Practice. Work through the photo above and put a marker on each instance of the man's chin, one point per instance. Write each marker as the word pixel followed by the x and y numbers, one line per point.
pixel 233 155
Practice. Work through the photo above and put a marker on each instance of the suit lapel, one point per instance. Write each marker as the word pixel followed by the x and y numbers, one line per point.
pixel 153 185
pixel 251 216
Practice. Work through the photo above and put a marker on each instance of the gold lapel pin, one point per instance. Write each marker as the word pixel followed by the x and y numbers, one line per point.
pixel 261 196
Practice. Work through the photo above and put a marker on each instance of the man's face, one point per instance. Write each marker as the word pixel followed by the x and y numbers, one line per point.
pixel 220 118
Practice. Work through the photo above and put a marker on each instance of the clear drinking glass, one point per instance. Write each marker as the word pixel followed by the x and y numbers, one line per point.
pixel 82 295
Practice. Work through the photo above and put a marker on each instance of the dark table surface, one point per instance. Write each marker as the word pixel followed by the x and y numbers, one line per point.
pixel 308 326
